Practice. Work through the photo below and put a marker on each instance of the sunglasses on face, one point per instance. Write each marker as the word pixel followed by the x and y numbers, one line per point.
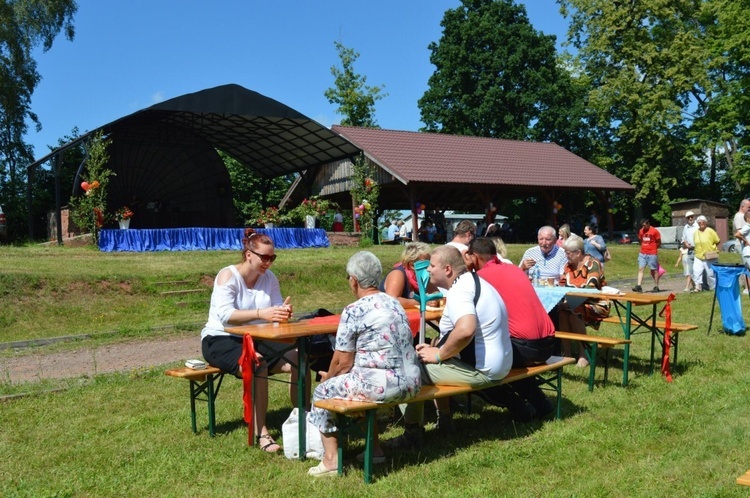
pixel 264 258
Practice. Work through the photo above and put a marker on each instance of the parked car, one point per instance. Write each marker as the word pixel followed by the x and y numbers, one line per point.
pixel 729 246
pixel 620 238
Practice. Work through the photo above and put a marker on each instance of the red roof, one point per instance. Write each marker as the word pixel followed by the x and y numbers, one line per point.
pixel 440 158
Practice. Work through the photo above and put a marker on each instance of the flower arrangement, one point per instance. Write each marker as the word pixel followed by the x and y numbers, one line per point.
pixel 124 213
pixel 270 215
pixel 314 206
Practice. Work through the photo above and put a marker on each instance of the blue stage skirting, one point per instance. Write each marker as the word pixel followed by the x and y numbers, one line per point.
pixel 204 239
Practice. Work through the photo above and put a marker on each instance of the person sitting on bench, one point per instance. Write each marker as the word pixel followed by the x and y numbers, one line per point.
pixel 532 332
pixel 474 347
pixel 374 358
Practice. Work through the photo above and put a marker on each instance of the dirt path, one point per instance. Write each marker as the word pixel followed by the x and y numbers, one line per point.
pixel 152 352
pixel 90 361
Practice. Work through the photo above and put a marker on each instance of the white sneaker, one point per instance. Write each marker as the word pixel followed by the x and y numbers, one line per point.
pixel 745 292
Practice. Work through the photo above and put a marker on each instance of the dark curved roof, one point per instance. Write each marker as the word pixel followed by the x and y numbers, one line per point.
pixel 266 136
pixel 166 155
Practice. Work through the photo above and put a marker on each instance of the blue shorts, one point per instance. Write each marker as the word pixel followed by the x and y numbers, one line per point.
pixel 650 260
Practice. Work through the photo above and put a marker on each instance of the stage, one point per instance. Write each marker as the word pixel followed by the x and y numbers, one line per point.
pixel 204 239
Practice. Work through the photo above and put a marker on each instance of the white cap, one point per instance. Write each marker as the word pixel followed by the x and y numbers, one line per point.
pixel 689 213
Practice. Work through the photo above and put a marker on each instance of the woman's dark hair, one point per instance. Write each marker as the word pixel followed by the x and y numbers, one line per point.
pixel 593 227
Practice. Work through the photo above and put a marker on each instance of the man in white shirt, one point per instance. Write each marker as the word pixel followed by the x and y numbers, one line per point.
pixel 463 234
pixel 549 257
pixel 739 221
pixel 474 347
pixel 393 230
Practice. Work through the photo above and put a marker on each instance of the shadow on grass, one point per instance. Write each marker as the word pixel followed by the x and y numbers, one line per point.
pixel 483 423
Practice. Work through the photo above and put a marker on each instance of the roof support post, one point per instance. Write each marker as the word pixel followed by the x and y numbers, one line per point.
pixel 56 168
pixel 414 220
pixel 29 200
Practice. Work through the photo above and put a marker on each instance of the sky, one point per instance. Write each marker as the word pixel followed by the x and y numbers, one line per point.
pixel 129 55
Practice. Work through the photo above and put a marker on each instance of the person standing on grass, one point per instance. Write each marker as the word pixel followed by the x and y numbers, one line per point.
pixel 739 221
pixel 688 255
pixel 649 256
pixel 248 293
pixel 474 347
pixel 706 254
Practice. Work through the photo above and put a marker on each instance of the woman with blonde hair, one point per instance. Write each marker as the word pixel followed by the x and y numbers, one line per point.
pixel 401 281
pixel 562 234
pixel 581 271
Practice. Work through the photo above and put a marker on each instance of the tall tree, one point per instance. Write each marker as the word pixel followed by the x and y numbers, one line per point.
pixel 665 83
pixel 356 103
pixel 495 75
pixel 25 24
pixel 355 100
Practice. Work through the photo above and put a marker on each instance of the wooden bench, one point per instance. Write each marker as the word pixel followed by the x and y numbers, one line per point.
pixel 660 325
pixel 744 479
pixel 206 381
pixel 548 374
pixel 592 343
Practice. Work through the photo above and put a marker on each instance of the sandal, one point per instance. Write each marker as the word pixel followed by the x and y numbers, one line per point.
pixel 269 442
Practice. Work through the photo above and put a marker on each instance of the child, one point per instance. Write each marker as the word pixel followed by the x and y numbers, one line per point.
pixel 686 270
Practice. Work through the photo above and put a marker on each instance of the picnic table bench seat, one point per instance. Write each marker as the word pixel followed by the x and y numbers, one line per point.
pixel 592 343
pixel 204 386
pixel 549 374
pixel 657 332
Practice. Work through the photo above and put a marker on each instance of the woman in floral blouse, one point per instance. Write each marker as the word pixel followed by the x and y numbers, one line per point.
pixel 374 359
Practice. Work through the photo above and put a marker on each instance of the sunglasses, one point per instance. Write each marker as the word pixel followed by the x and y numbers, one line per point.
pixel 264 258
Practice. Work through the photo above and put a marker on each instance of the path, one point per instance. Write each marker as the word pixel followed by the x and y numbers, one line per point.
pixel 118 357
pixel 149 353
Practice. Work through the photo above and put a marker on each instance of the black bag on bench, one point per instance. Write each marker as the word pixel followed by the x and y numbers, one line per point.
pixel 321 346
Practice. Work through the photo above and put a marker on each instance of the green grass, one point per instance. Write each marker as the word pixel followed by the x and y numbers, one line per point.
pixel 129 434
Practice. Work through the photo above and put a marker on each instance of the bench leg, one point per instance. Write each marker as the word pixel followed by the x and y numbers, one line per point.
pixel 211 390
pixel 369 443
pixel 558 415
pixel 340 422
pixel 592 354
pixel 675 342
pixel 606 365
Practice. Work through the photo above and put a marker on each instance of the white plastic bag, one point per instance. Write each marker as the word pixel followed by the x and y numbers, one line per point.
pixel 290 433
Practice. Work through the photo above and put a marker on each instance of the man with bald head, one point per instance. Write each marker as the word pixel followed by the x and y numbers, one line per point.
pixel 474 348
pixel 546 255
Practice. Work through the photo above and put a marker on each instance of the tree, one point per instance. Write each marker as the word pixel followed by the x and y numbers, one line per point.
pixel 355 100
pixel 25 25
pixel 250 193
pixel 89 210
pixel 356 103
pixel 667 82
pixel 495 76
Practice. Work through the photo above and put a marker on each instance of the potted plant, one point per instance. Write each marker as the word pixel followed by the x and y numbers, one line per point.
pixel 310 209
pixel 123 216
pixel 268 218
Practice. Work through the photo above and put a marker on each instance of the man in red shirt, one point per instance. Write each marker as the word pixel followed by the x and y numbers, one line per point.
pixel 649 255
pixel 532 333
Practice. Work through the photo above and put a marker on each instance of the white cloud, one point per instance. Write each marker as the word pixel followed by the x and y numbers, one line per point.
pixel 157 97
